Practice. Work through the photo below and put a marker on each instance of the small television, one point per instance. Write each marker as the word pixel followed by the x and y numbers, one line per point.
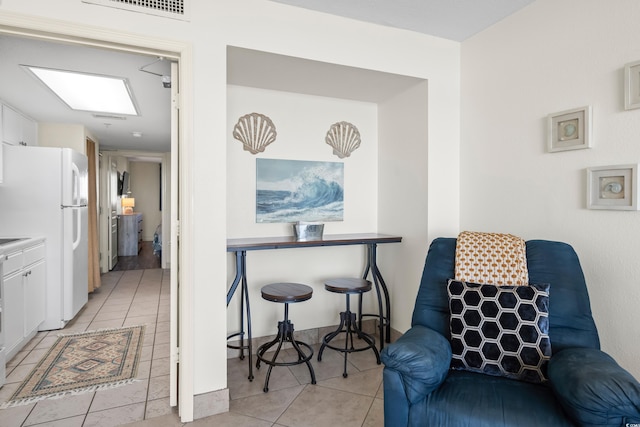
pixel 123 183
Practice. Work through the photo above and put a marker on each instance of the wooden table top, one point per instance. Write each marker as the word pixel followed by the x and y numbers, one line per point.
pixel 281 242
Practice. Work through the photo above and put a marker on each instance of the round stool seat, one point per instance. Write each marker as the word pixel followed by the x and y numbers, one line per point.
pixel 348 286
pixel 286 292
pixel 348 324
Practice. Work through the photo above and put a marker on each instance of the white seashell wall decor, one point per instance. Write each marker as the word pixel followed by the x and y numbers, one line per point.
pixel 344 138
pixel 255 131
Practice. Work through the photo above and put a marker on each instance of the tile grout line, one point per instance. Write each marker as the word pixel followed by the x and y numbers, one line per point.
pixel 86 415
pixel 146 401
pixel 29 353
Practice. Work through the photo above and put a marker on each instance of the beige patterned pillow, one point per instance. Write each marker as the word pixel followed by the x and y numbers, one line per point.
pixel 491 258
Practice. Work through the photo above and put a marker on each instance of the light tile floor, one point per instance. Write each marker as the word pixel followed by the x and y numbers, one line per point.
pixel 142 297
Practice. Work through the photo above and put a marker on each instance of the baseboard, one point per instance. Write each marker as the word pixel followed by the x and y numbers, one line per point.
pixel 212 403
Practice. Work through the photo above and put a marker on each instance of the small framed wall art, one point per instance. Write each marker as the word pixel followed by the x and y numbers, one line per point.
pixel 613 187
pixel 632 85
pixel 569 130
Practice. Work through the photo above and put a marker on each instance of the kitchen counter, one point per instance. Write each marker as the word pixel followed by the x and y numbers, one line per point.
pixel 16 245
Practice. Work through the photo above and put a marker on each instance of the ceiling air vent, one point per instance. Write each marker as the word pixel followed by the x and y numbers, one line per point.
pixel 176 9
pixel 109 117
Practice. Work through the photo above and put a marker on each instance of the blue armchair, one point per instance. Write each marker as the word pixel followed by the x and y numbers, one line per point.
pixel 585 386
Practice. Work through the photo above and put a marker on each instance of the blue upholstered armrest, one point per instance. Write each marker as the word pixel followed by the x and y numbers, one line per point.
pixel 422 357
pixel 593 389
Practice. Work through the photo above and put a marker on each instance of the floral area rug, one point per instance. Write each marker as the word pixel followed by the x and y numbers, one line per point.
pixel 83 362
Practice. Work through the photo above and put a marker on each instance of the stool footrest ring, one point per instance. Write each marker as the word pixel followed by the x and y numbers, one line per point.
pixel 297 362
pixel 285 335
pixel 349 327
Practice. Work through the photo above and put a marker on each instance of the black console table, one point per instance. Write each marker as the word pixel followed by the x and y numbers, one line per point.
pixel 241 246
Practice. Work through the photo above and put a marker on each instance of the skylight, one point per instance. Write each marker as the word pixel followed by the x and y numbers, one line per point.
pixel 88 92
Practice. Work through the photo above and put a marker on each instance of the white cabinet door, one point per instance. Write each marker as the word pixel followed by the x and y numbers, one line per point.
pixel 11 126
pixel 15 129
pixel 29 131
pixel 24 296
pixel 13 312
pixel 18 129
pixel 34 296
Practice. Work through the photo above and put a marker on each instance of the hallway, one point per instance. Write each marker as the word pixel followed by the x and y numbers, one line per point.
pixel 145 259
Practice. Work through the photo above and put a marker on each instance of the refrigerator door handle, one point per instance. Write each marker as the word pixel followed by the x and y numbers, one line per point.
pixel 76 242
pixel 74 185
pixel 72 206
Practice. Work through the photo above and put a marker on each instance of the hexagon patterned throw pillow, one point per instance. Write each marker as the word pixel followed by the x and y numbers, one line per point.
pixel 500 330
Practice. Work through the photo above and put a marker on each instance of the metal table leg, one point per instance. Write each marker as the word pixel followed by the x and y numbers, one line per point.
pixel 384 317
pixel 240 273
pixel 241 277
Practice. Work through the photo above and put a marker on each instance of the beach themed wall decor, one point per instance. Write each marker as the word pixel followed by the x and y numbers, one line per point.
pixel 632 85
pixel 613 187
pixel 296 190
pixel 255 131
pixel 344 138
pixel 569 130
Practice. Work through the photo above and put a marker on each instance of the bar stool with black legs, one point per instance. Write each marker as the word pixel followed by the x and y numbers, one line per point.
pixel 286 293
pixel 348 325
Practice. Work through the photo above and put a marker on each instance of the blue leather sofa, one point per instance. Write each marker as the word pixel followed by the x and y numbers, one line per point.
pixel 586 387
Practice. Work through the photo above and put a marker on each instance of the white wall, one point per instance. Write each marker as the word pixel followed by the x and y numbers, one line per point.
pixel 356 44
pixel 552 56
pixel 145 188
pixel 404 196
pixel 271 27
pixel 301 123
pixel 63 135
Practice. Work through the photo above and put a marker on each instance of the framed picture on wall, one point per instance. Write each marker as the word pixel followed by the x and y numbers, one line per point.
pixel 569 130
pixel 632 85
pixel 299 190
pixel 613 187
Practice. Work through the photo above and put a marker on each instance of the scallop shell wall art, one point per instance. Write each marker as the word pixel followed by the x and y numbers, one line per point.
pixel 344 138
pixel 255 131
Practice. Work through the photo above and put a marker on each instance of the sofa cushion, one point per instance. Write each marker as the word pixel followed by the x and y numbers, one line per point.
pixel 500 330
pixel 469 399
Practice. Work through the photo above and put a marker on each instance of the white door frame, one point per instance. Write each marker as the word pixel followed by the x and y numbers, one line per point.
pixel 110 198
pixel 174 211
pixel 47 29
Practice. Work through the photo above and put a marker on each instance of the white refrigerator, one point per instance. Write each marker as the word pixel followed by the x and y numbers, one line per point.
pixel 44 194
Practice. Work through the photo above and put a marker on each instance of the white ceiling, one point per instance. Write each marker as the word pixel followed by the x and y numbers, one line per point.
pixel 450 19
pixel 21 90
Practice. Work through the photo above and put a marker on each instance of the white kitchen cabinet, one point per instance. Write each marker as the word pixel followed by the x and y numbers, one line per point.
pixel 13 313
pixel 24 295
pixel 34 298
pixel 18 129
pixel 15 129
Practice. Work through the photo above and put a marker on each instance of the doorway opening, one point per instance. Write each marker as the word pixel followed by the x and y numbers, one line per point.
pixel 52 31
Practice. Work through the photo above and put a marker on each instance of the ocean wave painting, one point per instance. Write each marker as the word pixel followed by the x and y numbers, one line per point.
pixel 296 190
